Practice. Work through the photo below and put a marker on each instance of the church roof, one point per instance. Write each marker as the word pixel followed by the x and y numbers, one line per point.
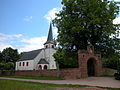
pixel 43 61
pixel 50 36
pixel 30 55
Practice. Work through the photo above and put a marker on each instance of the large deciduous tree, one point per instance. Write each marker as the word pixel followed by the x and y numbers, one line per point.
pixel 10 55
pixel 84 22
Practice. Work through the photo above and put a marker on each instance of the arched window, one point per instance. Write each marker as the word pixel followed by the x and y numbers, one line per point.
pixel 27 63
pixel 46 46
pixel 23 63
pixel 45 66
pixel 40 67
pixel 52 46
pixel 20 64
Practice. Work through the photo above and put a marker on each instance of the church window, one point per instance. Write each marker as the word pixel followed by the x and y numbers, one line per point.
pixel 45 67
pixel 23 63
pixel 52 46
pixel 46 46
pixel 27 63
pixel 40 67
pixel 20 64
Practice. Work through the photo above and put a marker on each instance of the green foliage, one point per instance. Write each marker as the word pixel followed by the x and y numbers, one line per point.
pixel 1 57
pixel 2 65
pixel 84 22
pixel 7 66
pixel 66 59
pixel 113 61
pixel 10 55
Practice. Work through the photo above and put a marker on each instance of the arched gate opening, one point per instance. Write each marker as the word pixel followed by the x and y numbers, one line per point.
pixel 91 67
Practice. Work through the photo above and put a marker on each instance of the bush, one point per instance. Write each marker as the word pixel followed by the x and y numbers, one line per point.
pixel 6 66
pixel 112 63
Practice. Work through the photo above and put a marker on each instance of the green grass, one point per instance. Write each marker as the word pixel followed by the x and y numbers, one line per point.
pixel 33 77
pixel 24 85
pixel 21 85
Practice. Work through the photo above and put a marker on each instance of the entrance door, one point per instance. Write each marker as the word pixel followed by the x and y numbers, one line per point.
pixel 90 67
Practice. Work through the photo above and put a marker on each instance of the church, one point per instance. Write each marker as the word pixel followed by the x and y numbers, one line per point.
pixel 39 59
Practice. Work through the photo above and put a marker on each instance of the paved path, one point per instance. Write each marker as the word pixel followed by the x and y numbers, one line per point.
pixel 91 81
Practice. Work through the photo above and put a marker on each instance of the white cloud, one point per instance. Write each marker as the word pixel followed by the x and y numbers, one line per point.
pixel 6 40
pixel 51 14
pixel 21 43
pixel 55 32
pixel 4 37
pixel 3 46
pixel 28 18
pixel 33 43
pixel 116 20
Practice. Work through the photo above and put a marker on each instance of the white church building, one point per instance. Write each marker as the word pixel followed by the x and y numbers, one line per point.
pixel 41 58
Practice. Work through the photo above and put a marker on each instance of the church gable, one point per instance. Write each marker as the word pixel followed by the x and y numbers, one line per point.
pixel 43 61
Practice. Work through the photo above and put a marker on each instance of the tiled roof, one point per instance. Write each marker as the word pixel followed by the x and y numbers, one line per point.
pixel 30 55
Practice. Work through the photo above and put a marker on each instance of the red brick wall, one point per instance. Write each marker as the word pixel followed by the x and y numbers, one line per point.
pixel 70 73
pixel 65 73
pixel 108 70
pixel 51 73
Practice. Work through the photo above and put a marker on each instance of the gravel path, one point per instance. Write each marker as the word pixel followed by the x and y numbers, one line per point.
pixel 91 81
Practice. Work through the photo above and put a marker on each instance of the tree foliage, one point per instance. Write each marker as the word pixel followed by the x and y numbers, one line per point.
pixel 10 55
pixel 66 59
pixel 84 22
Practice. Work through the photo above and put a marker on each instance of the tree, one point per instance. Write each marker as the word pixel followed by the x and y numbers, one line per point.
pixel 9 66
pixel 10 55
pixel 1 57
pixel 84 22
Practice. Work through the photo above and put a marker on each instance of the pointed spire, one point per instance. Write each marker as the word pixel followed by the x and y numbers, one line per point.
pixel 50 36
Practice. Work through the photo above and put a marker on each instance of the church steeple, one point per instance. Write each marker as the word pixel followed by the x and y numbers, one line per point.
pixel 50 36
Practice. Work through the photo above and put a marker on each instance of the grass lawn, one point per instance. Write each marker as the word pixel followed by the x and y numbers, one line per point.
pixel 24 85
pixel 33 77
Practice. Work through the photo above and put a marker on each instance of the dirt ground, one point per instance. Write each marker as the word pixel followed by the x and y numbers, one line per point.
pixel 76 88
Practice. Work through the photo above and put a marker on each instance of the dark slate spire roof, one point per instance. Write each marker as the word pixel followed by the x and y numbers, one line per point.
pixel 30 55
pixel 50 36
pixel 43 61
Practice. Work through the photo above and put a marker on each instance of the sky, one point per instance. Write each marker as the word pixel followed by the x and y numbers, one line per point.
pixel 24 24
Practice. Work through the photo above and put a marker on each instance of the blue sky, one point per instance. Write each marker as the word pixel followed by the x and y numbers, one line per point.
pixel 24 24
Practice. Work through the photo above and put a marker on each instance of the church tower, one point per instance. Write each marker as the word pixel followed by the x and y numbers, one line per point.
pixel 50 46
pixel 50 43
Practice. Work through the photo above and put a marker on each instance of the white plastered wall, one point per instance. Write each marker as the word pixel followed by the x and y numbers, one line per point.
pixel 49 56
pixel 25 67
pixel 37 59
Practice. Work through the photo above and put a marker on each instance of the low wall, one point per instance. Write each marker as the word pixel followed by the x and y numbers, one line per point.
pixel 71 73
pixel 51 73
pixel 108 71
pixel 64 73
